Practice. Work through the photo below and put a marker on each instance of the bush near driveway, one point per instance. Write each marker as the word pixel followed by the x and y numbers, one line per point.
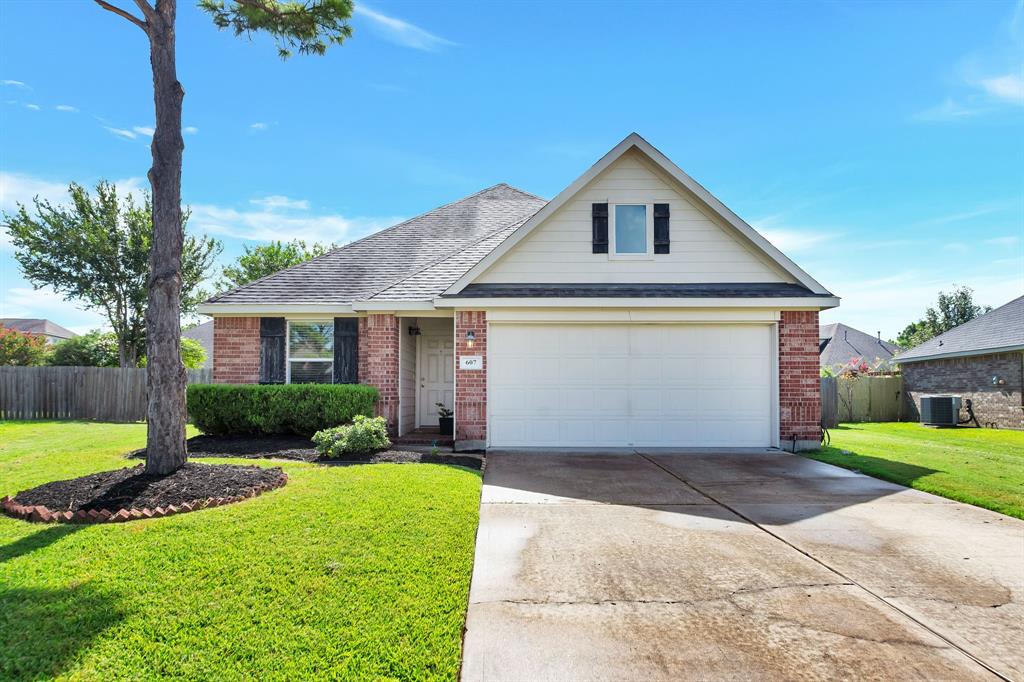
pixel 984 467
pixel 303 409
pixel 364 435
pixel 358 572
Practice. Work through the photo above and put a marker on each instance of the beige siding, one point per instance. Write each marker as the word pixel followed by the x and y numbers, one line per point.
pixel 703 249
pixel 406 376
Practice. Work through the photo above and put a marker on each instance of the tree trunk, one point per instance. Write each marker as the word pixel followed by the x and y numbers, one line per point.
pixel 165 374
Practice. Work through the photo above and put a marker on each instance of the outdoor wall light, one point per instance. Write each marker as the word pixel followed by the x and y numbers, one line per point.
pixel 414 331
pixel 470 338
pixel 996 381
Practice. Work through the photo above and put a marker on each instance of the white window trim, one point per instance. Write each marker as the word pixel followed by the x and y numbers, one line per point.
pixel 612 255
pixel 288 349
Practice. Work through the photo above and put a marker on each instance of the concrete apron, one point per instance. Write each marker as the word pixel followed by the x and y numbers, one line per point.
pixel 669 566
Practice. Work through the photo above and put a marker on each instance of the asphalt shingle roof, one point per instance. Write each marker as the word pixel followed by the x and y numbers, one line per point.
pixel 845 343
pixel 37 326
pixel 997 329
pixel 432 250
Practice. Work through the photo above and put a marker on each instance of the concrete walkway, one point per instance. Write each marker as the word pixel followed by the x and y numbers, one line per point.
pixel 758 565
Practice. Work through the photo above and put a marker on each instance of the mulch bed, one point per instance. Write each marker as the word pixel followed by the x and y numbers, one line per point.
pixel 302 449
pixel 127 494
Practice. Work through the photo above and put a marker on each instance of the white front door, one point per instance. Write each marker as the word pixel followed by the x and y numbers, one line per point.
pixel 592 385
pixel 436 375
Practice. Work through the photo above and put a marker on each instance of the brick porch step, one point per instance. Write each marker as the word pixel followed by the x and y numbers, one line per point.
pixel 424 435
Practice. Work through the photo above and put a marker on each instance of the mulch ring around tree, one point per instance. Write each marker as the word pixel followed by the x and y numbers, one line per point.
pixel 127 494
pixel 302 449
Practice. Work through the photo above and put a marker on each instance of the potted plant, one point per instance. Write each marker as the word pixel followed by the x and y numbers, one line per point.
pixel 445 420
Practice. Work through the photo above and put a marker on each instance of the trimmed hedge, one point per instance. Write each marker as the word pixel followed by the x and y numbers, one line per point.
pixel 304 409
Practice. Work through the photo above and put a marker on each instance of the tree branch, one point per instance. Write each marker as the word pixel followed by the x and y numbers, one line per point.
pixel 122 13
pixel 146 9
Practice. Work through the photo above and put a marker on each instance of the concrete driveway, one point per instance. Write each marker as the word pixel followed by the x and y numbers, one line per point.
pixel 673 566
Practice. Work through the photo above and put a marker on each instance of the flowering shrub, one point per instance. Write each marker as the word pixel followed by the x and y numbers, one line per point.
pixel 362 436
pixel 22 349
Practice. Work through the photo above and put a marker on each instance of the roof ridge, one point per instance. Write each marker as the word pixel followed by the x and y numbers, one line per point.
pixel 969 324
pixel 363 239
pixel 453 252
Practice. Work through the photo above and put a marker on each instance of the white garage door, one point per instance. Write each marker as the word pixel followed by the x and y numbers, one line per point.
pixel 630 385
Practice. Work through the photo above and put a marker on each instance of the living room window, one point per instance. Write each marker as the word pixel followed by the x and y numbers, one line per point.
pixel 310 351
pixel 631 230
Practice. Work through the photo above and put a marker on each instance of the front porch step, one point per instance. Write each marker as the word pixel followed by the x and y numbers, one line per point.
pixel 424 435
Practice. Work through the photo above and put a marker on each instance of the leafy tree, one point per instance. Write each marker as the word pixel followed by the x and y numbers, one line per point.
pixel 96 250
pixel 260 261
pixel 193 355
pixel 22 349
pixel 952 310
pixel 95 349
pixel 309 27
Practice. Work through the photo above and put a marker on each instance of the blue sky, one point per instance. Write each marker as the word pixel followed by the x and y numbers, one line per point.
pixel 880 145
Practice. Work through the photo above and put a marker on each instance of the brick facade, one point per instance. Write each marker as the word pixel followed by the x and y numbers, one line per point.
pixel 236 350
pixel 378 362
pixel 799 383
pixel 997 406
pixel 471 385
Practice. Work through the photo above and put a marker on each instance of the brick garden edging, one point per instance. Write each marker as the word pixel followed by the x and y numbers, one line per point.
pixel 40 514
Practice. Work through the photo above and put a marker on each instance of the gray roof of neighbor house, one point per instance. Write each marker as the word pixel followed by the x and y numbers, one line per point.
pixel 841 343
pixel 37 326
pixel 996 331
pixel 431 251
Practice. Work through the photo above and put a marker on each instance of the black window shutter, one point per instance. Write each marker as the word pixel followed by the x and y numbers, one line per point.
pixel 272 350
pixel 346 350
pixel 661 235
pixel 599 219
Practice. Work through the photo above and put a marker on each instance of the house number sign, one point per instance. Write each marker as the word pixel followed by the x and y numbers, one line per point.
pixel 471 362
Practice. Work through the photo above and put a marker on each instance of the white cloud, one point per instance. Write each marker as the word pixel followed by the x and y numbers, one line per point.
pixel 121 132
pixel 66 107
pixel 190 130
pixel 401 32
pixel 956 247
pixel 143 130
pixel 949 110
pixel 1009 87
pixel 966 215
pixel 271 223
pixel 24 301
pixel 278 201
pixel 15 84
pixel 18 188
pixel 259 125
pixel 1005 242
pixel 33 107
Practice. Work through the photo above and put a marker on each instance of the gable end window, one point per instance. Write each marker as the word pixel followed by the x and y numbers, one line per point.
pixel 631 231
pixel 311 351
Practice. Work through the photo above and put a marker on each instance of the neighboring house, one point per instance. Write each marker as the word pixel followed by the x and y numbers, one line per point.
pixel 51 330
pixel 632 310
pixel 203 333
pixel 982 360
pixel 839 344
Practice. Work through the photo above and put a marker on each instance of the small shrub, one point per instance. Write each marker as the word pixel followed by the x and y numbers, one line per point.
pixel 303 409
pixel 364 435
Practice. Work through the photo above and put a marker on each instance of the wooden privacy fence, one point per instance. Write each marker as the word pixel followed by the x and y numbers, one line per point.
pixel 864 399
pixel 108 394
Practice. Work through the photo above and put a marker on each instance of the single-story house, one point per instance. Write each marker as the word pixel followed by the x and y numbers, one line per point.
pixel 633 309
pixel 981 360
pixel 41 327
pixel 838 344
pixel 203 333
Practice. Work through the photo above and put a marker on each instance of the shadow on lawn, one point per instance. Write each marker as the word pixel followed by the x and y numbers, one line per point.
pixel 888 469
pixel 30 543
pixel 42 631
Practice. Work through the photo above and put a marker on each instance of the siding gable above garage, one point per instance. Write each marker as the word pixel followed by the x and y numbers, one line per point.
pixel 707 242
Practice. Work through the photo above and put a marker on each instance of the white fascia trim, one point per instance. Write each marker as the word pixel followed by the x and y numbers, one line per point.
pixel 377 306
pixel 634 140
pixel 958 354
pixel 274 309
pixel 798 303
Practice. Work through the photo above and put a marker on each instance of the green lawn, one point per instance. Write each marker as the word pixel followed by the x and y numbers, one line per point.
pixel 984 467
pixel 357 572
